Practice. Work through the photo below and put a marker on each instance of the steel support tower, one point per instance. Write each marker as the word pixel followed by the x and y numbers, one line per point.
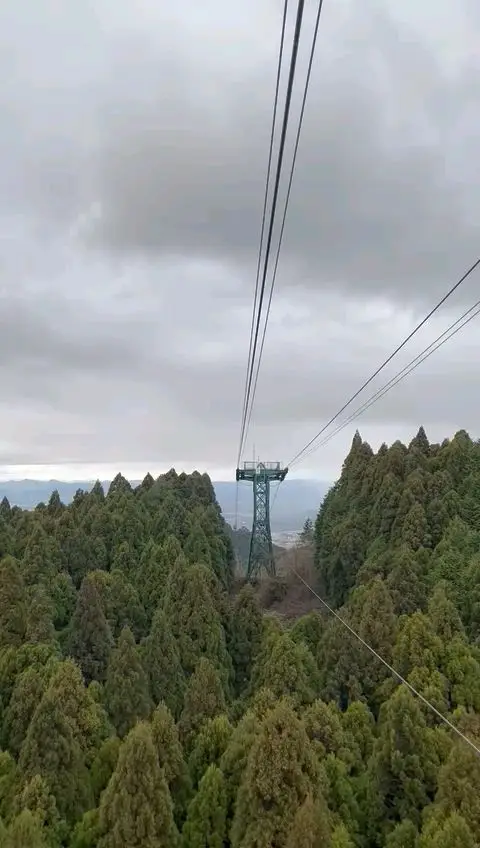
pixel 261 474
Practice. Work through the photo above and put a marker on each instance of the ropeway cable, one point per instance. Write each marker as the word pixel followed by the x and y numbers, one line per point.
pixel 264 213
pixel 389 359
pixel 291 77
pixel 287 200
pixel 390 668
pixel 243 426
pixel 444 337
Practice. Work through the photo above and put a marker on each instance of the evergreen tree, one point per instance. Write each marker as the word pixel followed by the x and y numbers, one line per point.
pixel 311 826
pixel 320 746
pixel 246 636
pixel 206 824
pixel 234 760
pixel 196 547
pixel 405 760
pixel 453 832
pixel 63 595
pixel 204 699
pixel 459 778
pixel 444 615
pixel 406 582
pixel 210 744
pixel 87 831
pixel 152 576
pixel 12 603
pixel 39 615
pixel 404 835
pixel 36 798
pixel 29 688
pixel 104 765
pixel 80 707
pixel 76 554
pixel 136 807
pixel 170 757
pixel 123 606
pixel 375 620
pixel 161 661
pixel 90 641
pixel 281 773
pixel 287 668
pixel 145 485
pixel 124 560
pixel 323 723
pixel 341 838
pixel 52 751
pixel 167 744
pixel 119 487
pixel 26 832
pixel 126 688
pixel 306 535
pixel 5 508
pixel 42 556
pixel 194 619
pixel 358 733
pixel 8 784
pixel 171 550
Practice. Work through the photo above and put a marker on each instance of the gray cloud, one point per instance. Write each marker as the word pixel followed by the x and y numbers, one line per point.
pixel 132 159
pixel 174 394
pixel 168 134
pixel 382 197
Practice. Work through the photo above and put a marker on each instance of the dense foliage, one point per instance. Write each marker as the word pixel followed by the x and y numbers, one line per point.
pixel 146 704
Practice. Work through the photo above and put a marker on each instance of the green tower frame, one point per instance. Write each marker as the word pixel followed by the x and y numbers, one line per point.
pixel 261 474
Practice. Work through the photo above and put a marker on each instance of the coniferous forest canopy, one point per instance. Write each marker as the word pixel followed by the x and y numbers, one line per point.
pixel 147 701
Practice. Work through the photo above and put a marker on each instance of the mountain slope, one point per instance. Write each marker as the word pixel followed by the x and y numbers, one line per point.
pixel 125 641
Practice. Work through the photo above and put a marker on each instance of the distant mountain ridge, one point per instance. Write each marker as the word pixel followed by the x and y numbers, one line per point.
pixel 296 500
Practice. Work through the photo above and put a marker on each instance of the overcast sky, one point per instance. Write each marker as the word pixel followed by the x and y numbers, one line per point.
pixel 133 148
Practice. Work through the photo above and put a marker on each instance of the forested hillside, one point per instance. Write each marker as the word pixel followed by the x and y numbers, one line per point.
pixel 145 702
pixel 397 542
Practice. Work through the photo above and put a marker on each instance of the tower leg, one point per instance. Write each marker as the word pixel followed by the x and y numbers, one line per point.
pixel 261 548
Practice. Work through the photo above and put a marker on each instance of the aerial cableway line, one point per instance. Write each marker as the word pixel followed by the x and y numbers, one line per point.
pixel 447 334
pixel 252 346
pixel 389 358
pixel 261 548
pixel 261 474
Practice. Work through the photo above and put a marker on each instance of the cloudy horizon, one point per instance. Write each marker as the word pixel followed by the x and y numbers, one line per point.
pixel 132 154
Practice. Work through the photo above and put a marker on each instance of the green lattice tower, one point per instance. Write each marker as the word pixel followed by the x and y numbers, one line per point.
pixel 261 474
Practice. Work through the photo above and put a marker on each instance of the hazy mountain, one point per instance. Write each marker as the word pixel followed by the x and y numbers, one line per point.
pixel 296 500
pixel 28 493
